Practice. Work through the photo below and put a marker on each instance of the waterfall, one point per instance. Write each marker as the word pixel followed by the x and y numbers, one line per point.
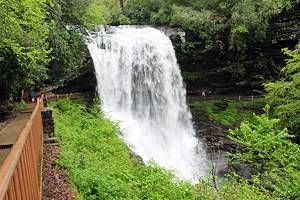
pixel 140 85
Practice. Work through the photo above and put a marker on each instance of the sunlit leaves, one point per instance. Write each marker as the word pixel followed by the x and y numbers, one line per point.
pixel 272 156
pixel 23 38
pixel 284 95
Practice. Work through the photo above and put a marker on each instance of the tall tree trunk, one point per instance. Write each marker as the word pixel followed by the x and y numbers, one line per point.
pixel 122 4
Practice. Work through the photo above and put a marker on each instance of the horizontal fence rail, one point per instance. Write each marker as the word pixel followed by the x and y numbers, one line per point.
pixel 65 96
pixel 20 173
pixel 229 97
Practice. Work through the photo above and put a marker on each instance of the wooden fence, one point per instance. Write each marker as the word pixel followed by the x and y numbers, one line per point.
pixel 65 96
pixel 20 173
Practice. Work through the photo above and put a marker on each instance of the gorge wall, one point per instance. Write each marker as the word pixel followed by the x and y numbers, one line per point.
pixel 222 71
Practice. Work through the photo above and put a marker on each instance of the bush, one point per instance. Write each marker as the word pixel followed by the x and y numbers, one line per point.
pixel 95 14
pixel 274 159
pixel 284 95
pixel 205 23
pixel 139 11
pixel 249 20
pixel 69 54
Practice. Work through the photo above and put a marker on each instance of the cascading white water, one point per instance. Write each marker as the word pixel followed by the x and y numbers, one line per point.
pixel 140 85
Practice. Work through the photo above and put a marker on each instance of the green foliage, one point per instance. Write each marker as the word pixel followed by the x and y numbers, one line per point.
pixel 274 159
pixel 191 76
pixel 139 11
pixel 235 112
pixel 23 46
pixel 68 54
pixel 163 15
pixel 100 164
pixel 35 45
pixel 68 50
pixel 102 167
pixel 284 95
pixel 95 14
pixel 71 11
pixel 249 20
pixel 205 23
pixel 20 105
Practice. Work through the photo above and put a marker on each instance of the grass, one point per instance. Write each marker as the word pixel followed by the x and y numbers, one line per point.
pixel 100 165
pixel 20 105
pixel 235 111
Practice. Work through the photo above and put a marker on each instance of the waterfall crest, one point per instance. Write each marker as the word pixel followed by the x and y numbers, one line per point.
pixel 140 85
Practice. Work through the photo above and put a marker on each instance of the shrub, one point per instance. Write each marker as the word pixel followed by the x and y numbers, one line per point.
pixel 205 23
pixel 284 95
pixel 139 11
pixel 274 159
pixel 95 14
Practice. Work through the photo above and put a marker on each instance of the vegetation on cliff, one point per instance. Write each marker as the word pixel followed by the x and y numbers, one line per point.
pixel 245 20
pixel 24 50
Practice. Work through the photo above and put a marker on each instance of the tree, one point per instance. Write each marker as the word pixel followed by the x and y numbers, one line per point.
pixel 272 156
pixel 24 49
pixel 122 4
pixel 68 50
pixel 284 95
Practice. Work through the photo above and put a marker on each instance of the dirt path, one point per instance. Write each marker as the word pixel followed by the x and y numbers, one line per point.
pixel 56 184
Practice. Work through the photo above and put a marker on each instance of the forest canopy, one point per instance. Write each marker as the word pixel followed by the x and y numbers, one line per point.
pixel 36 48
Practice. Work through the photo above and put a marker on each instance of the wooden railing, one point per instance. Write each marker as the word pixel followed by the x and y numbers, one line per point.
pixel 20 173
pixel 65 96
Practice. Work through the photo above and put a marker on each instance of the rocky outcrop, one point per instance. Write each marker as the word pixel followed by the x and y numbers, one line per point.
pixel 217 143
pixel 284 31
pixel 213 135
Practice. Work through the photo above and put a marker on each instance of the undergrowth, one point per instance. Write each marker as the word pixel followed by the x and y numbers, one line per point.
pixel 234 113
pixel 101 166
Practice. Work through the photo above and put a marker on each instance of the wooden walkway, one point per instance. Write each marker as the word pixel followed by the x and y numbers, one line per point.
pixel 22 150
pixel 10 133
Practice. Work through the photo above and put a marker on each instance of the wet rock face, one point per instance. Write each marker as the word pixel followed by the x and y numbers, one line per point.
pixel 215 140
pixel 283 32
pixel 213 135
pixel 218 145
pixel 285 27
